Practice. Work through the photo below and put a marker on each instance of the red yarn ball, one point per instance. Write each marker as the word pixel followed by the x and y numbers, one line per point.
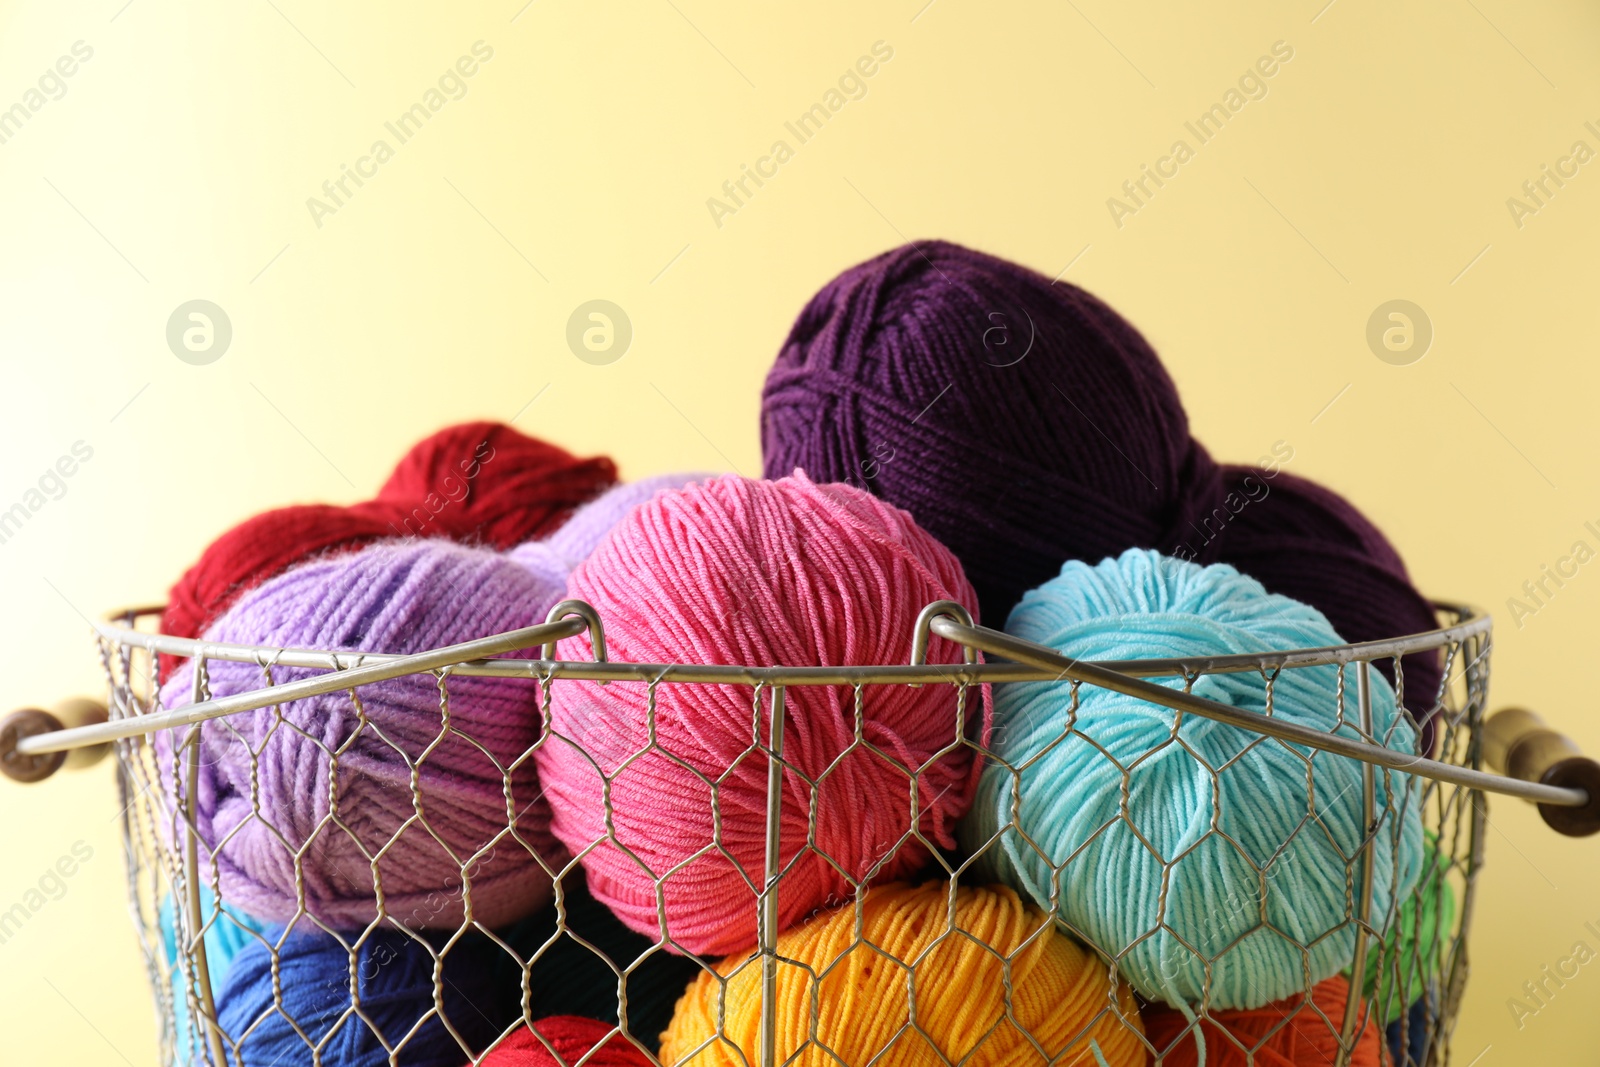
pixel 477 483
pixel 490 484
pixel 572 1038
pixel 1285 1033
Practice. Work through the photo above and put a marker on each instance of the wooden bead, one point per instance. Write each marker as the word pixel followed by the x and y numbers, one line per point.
pixel 82 711
pixel 1503 730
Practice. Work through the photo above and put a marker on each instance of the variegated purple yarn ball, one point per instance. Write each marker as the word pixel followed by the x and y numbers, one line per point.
pixel 333 801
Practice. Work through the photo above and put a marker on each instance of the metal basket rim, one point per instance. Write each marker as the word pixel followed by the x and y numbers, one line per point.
pixel 1030 662
pixel 119 628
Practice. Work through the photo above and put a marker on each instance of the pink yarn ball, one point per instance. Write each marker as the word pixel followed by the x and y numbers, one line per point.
pixel 554 557
pixel 742 572
pixel 264 784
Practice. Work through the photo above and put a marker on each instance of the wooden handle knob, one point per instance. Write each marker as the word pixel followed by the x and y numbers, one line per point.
pixel 1517 743
pixel 30 722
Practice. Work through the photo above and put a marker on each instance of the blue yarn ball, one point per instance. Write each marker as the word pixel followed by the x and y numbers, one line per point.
pixel 1181 911
pixel 1409 1048
pixel 228 935
pixel 394 975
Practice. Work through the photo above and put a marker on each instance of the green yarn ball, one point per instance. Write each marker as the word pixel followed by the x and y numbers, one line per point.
pixel 1413 953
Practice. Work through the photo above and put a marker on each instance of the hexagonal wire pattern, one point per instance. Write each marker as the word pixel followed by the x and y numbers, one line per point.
pixel 168 875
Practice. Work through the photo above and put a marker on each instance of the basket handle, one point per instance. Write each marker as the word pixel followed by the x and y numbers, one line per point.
pixel 29 722
pixel 27 756
pixel 1582 795
pixel 1518 743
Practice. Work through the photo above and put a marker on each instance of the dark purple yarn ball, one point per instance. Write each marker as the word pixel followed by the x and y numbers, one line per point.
pixel 1305 541
pixel 1025 423
pixel 1021 423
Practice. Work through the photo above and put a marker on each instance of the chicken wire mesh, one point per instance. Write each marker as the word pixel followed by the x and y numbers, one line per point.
pixel 180 904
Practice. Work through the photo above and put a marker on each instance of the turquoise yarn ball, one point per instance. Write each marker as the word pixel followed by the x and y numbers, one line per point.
pixel 1237 884
pixel 230 933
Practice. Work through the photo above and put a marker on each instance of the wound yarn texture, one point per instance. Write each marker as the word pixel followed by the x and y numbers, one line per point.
pixel 265 787
pixel 276 1014
pixel 554 557
pixel 1060 993
pixel 1023 422
pixel 1300 1031
pixel 571 1038
pixel 1210 862
pixel 738 571
pixel 477 483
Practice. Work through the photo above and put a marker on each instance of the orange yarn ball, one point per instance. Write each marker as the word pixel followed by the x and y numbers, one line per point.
pixel 1286 1033
pixel 955 958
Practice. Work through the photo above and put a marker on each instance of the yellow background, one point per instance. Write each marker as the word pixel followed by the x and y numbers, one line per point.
pixel 178 163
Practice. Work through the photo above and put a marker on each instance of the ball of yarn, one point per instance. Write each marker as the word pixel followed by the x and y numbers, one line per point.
pixel 1310 544
pixel 1417 945
pixel 1023 423
pixel 744 572
pixel 1298 1031
pixel 489 484
pixel 228 931
pixel 1408 1039
pixel 257 549
pixel 1155 834
pixel 394 974
pixel 579 972
pixel 555 556
pixel 957 958
pixel 479 482
pixel 263 794
pixel 572 1038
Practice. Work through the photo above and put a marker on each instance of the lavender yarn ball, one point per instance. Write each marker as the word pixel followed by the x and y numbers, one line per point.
pixel 390 597
pixel 554 557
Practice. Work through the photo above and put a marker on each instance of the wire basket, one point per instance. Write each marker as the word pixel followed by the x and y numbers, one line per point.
pixel 179 905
